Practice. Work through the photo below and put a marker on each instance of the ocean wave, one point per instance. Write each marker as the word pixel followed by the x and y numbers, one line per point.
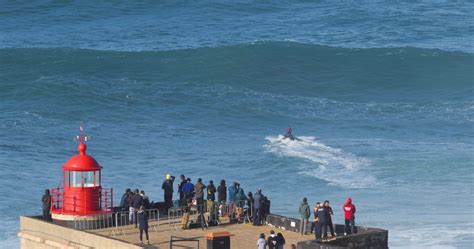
pixel 277 67
pixel 333 165
pixel 136 26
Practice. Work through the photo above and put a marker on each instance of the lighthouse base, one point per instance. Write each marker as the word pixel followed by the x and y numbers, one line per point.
pixel 84 222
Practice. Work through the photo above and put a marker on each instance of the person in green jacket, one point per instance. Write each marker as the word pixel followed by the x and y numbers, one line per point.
pixel 305 212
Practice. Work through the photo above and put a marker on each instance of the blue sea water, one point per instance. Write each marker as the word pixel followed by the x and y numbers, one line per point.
pixel 380 93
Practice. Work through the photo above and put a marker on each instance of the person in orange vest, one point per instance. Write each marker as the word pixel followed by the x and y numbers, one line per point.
pixel 315 219
pixel 317 226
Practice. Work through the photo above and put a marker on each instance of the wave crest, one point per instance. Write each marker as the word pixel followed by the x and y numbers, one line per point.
pixel 333 165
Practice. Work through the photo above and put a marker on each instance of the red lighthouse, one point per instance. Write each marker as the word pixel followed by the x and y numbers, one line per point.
pixel 82 194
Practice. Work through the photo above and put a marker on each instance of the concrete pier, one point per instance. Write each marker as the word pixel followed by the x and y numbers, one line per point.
pixel 36 233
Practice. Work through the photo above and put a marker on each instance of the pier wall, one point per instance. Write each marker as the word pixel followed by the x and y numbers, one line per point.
pixel 365 238
pixel 36 233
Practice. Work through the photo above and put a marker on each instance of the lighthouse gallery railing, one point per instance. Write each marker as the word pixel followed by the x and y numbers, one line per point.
pixel 106 201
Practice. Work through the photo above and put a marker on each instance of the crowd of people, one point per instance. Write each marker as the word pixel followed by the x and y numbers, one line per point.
pixel 274 241
pixel 221 200
pixel 240 207
pixel 322 222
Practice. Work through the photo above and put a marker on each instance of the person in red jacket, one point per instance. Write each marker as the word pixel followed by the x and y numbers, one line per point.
pixel 349 211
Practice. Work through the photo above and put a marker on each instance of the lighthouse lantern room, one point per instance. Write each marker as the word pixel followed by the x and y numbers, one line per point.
pixel 82 193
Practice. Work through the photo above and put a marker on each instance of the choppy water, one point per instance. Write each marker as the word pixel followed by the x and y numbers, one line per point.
pixel 381 95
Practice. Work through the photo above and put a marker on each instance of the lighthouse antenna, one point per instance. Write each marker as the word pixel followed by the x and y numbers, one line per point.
pixel 81 137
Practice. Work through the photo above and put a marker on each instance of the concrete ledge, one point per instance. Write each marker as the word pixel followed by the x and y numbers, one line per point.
pixel 366 238
pixel 36 233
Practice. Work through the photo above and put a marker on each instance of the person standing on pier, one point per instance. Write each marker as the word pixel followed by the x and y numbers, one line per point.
pixel 280 241
pixel 317 225
pixel 167 187
pixel 257 204
pixel 137 201
pixel 211 194
pixel 143 220
pixel 331 213
pixel 323 216
pixel 188 190
pixel 199 189
pixel 250 205
pixel 124 201
pixel 131 210
pixel 145 199
pixel 349 217
pixel 231 197
pixel 182 198
pixel 272 240
pixel 222 192
pixel 211 198
pixel 46 200
pixel 261 242
pixel 240 199
pixel 305 212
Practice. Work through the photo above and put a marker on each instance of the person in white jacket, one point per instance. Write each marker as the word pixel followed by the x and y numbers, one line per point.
pixel 261 242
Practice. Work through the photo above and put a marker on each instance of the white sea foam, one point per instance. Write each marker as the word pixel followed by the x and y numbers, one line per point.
pixel 431 236
pixel 330 164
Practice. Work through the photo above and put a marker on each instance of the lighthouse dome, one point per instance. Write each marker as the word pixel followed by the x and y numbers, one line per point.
pixel 81 161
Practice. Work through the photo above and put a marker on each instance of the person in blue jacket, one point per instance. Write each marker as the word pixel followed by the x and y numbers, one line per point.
pixel 188 190
pixel 143 223
pixel 323 219
pixel 232 191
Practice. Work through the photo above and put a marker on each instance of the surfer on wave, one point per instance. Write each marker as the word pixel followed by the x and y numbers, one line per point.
pixel 289 134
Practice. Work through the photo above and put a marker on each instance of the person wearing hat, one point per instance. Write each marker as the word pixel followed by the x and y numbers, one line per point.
pixel 167 187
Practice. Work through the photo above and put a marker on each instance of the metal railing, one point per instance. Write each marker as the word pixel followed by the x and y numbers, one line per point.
pixel 94 222
pixel 115 222
pixel 58 201
pixel 208 213
pixel 122 219
pixel 175 239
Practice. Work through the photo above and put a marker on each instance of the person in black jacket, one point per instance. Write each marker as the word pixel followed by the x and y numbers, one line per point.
pixel 250 205
pixel 272 240
pixel 265 207
pixel 222 192
pixel 143 221
pixel 182 198
pixel 329 223
pixel 167 187
pixel 145 199
pixel 280 241
pixel 211 191
pixel 137 201
pixel 124 201
pixel 46 200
